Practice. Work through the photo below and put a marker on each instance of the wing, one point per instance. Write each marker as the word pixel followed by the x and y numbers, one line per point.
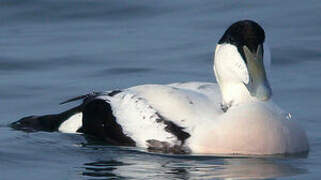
pixel 139 120
pixel 184 104
pixel 164 116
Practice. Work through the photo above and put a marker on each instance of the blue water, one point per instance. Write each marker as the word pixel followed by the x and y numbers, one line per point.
pixel 51 50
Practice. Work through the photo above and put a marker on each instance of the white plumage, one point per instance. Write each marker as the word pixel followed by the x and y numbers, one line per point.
pixel 72 124
pixel 252 123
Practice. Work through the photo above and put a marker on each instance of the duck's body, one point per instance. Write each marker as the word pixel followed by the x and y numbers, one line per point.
pixel 235 116
pixel 201 126
pixel 165 114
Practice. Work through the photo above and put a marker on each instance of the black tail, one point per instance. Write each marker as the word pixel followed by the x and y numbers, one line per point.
pixel 98 120
pixel 52 122
pixel 48 123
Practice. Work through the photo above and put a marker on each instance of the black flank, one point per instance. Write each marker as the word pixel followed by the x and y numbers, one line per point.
pixel 99 121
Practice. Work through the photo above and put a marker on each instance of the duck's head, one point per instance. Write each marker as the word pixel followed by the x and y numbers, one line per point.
pixel 240 62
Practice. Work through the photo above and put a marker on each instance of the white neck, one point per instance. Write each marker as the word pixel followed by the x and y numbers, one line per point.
pixel 234 94
pixel 231 74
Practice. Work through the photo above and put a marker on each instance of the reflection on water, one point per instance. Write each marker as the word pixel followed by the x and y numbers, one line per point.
pixel 53 50
pixel 251 168
pixel 146 165
pixel 103 169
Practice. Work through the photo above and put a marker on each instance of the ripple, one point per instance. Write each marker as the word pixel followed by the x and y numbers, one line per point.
pixel 103 169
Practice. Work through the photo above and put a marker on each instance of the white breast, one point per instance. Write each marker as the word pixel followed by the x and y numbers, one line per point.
pixel 255 128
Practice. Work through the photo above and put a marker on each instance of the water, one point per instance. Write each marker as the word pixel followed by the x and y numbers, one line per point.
pixel 53 50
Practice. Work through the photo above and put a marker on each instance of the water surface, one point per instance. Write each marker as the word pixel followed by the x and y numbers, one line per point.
pixel 53 50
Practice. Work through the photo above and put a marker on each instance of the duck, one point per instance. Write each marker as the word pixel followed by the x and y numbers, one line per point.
pixel 236 115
